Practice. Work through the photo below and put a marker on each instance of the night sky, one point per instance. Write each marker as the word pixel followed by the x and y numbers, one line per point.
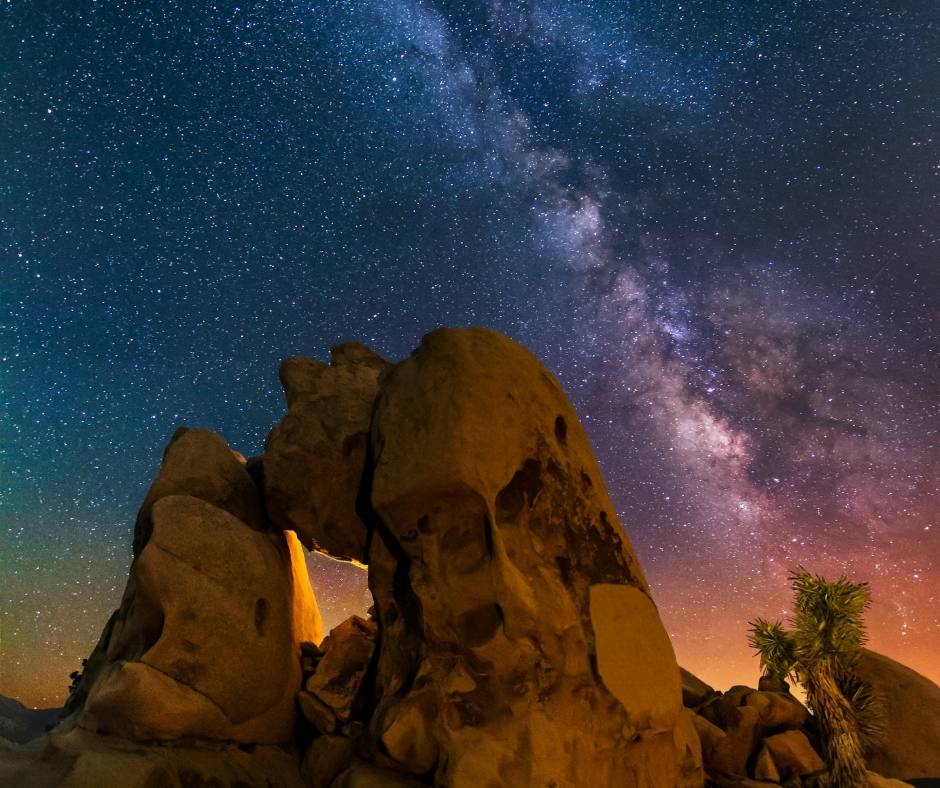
pixel 715 222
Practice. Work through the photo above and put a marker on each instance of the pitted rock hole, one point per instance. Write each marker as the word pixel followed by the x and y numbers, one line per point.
pixel 262 607
pixel 478 626
pixel 520 492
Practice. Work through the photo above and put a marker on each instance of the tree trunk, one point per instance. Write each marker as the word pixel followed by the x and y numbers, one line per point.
pixel 841 741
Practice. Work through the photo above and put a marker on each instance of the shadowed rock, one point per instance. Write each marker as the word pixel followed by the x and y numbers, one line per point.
pixel 314 459
pixel 910 747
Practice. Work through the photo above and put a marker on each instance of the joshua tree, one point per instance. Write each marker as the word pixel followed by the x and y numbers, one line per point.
pixel 819 652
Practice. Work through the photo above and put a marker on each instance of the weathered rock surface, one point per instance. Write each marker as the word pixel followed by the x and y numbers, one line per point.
pixel 518 643
pixel 206 642
pixel 877 781
pixel 363 775
pixel 777 709
pixel 793 754
pixel 199 463
pixel 314 459
pixel 764 767
pixel 910 747
pixel 333 693
pixel 694 690
pixel 326 758
pixel 79 759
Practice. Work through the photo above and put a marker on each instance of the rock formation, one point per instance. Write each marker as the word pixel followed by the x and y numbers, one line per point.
pixel 518 644
pixel 314 459
pixel 513 642
pixel 910 746
pixel 204 645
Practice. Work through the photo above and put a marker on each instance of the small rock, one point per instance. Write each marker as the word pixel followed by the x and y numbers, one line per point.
pixel 738 693
pixel 710 736
pixel 347 652
pixel 773 684
pixel 406 738
pixel 778 709
pixel 793 754
pixel 315 710
pixel 765 768
pixel 741 739
pixel 877 781
pixel 326 758
pixel 361 775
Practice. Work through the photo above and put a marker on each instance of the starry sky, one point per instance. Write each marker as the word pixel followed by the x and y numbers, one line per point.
pixel 715 222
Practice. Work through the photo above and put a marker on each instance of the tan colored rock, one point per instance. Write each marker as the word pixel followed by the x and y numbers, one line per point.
pixel 689 749
pixel 79 759
pixel 778 709
pixel 199 463
pixel 326 758
pixel 346 655
pixel 517 632
pixel 206 642
pixel 764 767
pixel 793 754
pixel 317 712
pixel 363 775
pixel 726 781
pixel 694 690
pixel 314 459
pixel 877 781
pixel 910 747
pixel 773 683
pixel 711 738
pixel 742 737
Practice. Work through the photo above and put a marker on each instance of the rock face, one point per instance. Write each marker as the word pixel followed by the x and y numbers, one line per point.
pixel 334 691
pixel 314 459
pixel 205 644
pixel 200 463
pixel 910 747
pixel 518 644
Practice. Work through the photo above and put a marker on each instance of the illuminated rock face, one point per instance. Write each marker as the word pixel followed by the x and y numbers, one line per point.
pixel 514 641
pixel 518 644
pixel 200 463
pixel 206 642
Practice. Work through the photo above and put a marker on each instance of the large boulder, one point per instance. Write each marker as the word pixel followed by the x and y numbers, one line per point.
pixel 206 642
pixel 910 747
pixel 694 690
pixel 314 459
pixel 518 642
pixel 793 754
pixel 199 463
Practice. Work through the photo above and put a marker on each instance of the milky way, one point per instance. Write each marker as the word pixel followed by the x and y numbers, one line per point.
pixel 715 222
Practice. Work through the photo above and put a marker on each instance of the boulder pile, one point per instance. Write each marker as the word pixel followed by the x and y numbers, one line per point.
pixel 765 737
pixel 513 641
